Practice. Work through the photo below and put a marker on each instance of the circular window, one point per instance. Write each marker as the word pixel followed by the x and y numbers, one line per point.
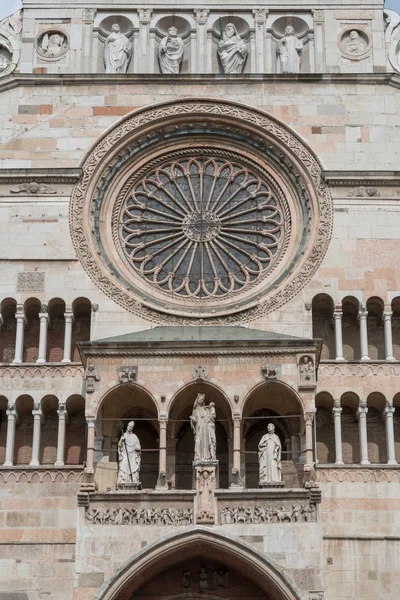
pixel 198 212
pixel 201 227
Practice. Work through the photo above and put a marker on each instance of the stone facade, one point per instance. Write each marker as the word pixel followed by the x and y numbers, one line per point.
pixel 200 199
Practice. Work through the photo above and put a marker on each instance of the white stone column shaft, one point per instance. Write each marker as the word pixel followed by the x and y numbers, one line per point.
pixel 236 443
pixel 309 438
pixel 19 335
pixel 260 17
pixel 10 443
pixel 62 421
pixel 387 324
pixel 362 317
pixel 163 445
pixel 69 318
pixel 90 446
pixel 37 426
pixel 337 316
pixel 362 430
pixel 388 414
pixel 337 420
pixel 44 321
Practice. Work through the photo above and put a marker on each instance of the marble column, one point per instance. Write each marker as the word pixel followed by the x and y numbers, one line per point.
pixel 260 19
pixel 19 336
pixel 145 60
pixel 387 324
pixel 91 425
pixel 362 430
pixel 337 420
pixel 319 44
pixel 11 424
pixel 362 317
pixel 69 318
pixel 37 426
pixel 44 322
pixel 201 16
pixel 163 445
pixel 236 443
pixel 62 421
pixel 388 413
pixel 309 438
pixel 337 316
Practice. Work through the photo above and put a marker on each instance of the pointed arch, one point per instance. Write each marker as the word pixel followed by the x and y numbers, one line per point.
pixel 149 561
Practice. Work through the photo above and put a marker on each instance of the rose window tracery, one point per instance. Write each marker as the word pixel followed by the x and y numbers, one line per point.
pixel 201 227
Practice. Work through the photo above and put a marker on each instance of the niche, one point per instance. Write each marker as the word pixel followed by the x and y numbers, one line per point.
pixel 302 32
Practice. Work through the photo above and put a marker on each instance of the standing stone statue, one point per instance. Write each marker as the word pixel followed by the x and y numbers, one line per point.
pixel 117 51
pixel 129 458
pixel 232 50
pixel 289 51
pixel 269 457
pixel 170 52
pixel 202 421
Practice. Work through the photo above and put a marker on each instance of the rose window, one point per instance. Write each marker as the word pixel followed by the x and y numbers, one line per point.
pixel 202 227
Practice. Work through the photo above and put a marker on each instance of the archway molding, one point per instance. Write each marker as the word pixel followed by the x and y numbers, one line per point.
pixel 199 541
pixel 143 393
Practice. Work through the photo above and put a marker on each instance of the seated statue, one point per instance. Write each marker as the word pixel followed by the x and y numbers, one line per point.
pixel 232 50
pixel 117 51
pixel 170 52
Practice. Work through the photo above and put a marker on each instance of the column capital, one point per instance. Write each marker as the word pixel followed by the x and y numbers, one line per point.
pixel 237 420
pixel 145 15
pixel 260 15
pixel 163 422
pixel 387 315
pixel 62 410
pixel 91 422
pixel 309 417
pixel 389 409
pixel 362 312
pixel 337 314
pixel 44 316
pixel 69 316
pixel 337 409
pixel 362 409
pixel 20 313
pixel 319 16
pixel 201 15
pixel 12 411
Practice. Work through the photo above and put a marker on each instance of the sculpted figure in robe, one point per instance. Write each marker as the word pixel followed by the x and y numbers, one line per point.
pixel 117 51
pixel 170 52
pixel 53 45
pixel 289 51
pixel 355 44
pixel 129 456
pixel 202 421
pixel 232 50
pixel 269 457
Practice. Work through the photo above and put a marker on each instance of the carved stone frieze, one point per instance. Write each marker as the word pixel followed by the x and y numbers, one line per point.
pixel 267 513
pixel 271 371
pixel 140 516
pixel 357 370
pixel 363 191
pixel 361 475
pixel 307 173
pixel 13 475
pixel 33 372
pixel 127 374
pixel 33 188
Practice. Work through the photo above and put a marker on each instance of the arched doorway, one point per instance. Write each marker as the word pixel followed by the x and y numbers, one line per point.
pixel 189 564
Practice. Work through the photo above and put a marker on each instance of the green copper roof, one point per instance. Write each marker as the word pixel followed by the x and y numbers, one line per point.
pixel 198 334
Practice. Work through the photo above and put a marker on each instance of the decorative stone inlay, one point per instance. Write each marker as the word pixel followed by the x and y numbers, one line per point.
pixel 202 227
pixel 266 513
pixel 269 150
pixel 140 516
pixel 30 281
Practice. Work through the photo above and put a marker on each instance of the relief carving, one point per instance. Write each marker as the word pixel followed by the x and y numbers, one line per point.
pixel 33 187
pixel 205 485
pixel 199 373
pixel 140 516
pixel 260 514
pixel 52 44
pixel 10 42
pixel 364 192
pixel 127 374
pixel 92 375
pixel 306 371
pixel 30 281
pixel 271 371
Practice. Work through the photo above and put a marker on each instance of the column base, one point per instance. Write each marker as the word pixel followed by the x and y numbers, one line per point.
pixel 59 463
pixel 339 462
pixel 34 463
pixel 16 362
pixel 41 361
pixel 340 359
pixel 390 358
pixel 392 462
pixel 66 360
pixel 365 462
pixel 365 358
pixel 8 463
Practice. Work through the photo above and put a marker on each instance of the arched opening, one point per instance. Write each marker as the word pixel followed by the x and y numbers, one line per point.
pixel 55 334
pixel 48 437
pixel 396 327
pixel 125 403
pixel 272 402
pixel 8 330
pixel 82 311
pixel 24 431
pixel 3 428
pixel 197 562
pixel 376 434
pixel 75 433
pixel 322 319
pixel 181 438
pixel 32 308
pixel 325 433
pixel 350 437
pixel 376 338
pixel 351 335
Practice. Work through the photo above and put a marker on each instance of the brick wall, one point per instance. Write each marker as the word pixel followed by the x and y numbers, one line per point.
pixel 350 437
pixel 75 436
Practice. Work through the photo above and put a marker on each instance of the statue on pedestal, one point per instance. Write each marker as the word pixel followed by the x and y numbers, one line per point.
pixel 202 421
pixel 232 50
pixel 117 51
pixel 170 52
pixel 289 51
pixel 129 458
pixel 269 458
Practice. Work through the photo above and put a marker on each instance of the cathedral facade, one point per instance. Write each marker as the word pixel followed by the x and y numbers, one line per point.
pixel 199 301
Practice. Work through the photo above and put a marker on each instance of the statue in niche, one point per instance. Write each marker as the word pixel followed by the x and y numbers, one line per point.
pixel 354 44
pixel 53 45
pixel 232 50
pixel 170 52
pixel 289 51
pixel 129 457
pixel 269 457
pixel 117 51
pixel 202 421
pixel 306 368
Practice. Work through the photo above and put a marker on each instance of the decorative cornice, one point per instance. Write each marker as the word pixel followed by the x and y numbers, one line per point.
pixel 34 371
pixel 355 473
pixel 358 369
pixel 364 178
pixel 40 175
pixel 26 475
pixel 35 79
